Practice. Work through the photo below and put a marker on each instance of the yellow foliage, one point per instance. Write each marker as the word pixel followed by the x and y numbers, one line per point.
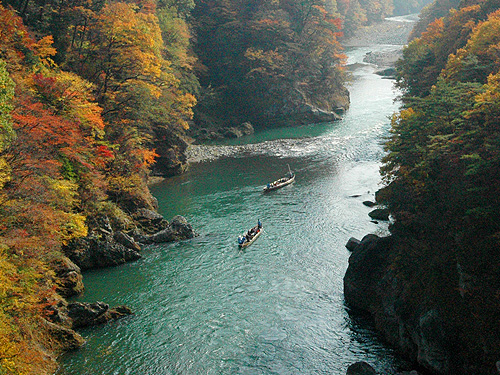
pixel 65 192
pixel 127 184
pixel 17 301
pixel 44 47
pixel 434 31
pixel 73 226
pixel 4 172
pixel 406 114
pixel 80 103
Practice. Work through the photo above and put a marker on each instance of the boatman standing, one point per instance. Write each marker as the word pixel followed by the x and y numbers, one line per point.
pixel 259 224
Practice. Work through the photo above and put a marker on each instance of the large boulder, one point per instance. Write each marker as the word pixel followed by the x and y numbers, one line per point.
pixel 97 252
pixel 352 244
pixel 127 241
pixel 367 265
pixel 178 229
pixel 371 284
pixel 91 314
pixel 380 214
pixel 238 131
pixel 62 338
pixel 361 368
pixel 149 221
pixel 171 149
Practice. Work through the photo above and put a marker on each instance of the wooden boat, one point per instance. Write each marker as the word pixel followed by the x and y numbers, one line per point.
pixel 248 238
pixel 281 182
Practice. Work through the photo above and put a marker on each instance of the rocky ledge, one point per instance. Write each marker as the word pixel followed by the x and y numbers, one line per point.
pixel 105 247
pixel 91 314
pixel 210 134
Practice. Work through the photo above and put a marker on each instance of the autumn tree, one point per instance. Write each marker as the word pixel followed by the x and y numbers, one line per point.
pixel 262 55
pixel 441 173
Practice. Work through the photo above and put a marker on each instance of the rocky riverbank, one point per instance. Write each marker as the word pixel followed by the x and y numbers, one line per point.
pixel 393 31
pixel 106 245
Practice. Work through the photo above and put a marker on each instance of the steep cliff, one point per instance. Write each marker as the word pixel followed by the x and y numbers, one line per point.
pixel 426 305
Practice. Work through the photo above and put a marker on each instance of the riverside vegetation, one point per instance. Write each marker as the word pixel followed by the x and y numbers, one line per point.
pixel 95 96
pixel 433 286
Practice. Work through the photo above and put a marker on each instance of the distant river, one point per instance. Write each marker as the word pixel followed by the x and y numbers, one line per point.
pixel 205 307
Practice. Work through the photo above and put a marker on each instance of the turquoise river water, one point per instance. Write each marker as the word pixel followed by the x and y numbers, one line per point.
pixel 205 307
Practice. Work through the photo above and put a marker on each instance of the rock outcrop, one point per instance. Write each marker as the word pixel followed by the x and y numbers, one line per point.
pixel 352 243
pixel 361 368
pixel 63 338
pixel 178 229
pixel 91 314
pixel 380 214
pixel 426 329
pixel 69 276
pixel 371 285
pixel 210 132
pixel 100 251
pixel 171 148
pixel 299 107
pixel 149 221
pixel 104 247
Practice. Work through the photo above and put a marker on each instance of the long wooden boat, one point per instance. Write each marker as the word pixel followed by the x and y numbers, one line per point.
pixel 248 238
pixel 281 182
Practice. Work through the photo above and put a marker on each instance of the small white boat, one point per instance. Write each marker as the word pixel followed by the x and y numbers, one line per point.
pixel 281 182
pixel 248 238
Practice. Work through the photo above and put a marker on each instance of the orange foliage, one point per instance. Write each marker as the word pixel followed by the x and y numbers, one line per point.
pixel 433 32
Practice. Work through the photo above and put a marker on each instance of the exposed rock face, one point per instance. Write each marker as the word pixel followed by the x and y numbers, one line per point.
pixel 150 221
pixel 127 241
pixel 171 148
pixel 352 243
pixel 212 132
pixel 64 338
pixel 372 285
pixel 380 214
pixel 91 314
pixel 369 203
pixel 367 266
pixel 97 252
pixel 179 229
pixel 69 277
pixel 106 248
pixel 238 131
pixel 298 108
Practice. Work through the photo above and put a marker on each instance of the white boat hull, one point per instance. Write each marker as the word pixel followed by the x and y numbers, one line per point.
pixel 248 243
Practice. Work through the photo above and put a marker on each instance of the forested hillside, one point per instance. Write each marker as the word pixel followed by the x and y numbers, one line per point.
pixel 442 173
pixel 277 62
pixel 89 93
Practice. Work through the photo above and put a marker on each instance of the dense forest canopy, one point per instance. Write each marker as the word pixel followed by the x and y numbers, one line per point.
pixel 95 94
pixel 263 59
pixel 442 173
pixel 264 56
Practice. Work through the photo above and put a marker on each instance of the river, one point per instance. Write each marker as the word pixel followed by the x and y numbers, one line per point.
pixel 205 307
